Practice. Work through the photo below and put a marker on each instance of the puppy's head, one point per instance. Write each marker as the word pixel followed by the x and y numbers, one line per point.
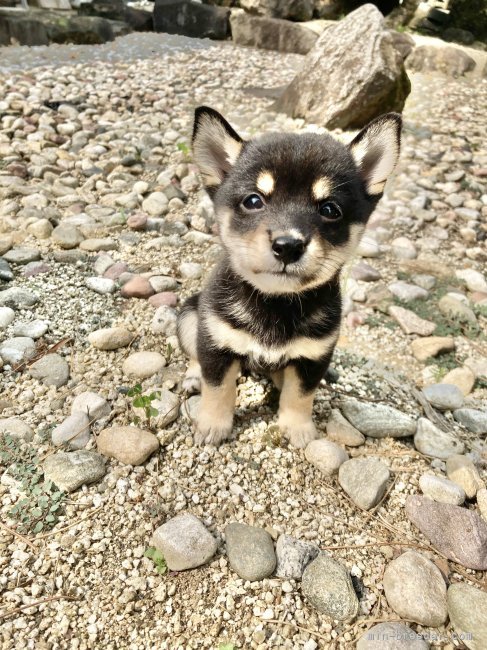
pixel 292 208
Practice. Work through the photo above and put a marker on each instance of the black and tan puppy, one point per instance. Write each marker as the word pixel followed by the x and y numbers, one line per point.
pixel 291 209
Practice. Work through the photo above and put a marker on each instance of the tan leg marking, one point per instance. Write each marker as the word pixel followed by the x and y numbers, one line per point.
pixel 295 409
pixel 215 417
pixel 278 378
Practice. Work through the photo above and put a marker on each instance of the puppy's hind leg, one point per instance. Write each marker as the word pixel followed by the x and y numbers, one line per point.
pixel 187 330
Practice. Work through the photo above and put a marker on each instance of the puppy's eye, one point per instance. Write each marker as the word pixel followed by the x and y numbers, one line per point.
pixel 253 202
pixel 329 211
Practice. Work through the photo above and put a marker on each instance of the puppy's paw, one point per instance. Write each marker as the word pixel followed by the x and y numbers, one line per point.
pixel 211 430
pixel 299 435
pixel 192 384
pixel 192 379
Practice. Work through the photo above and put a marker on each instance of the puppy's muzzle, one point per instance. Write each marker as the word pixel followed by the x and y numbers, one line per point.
pixel 288 249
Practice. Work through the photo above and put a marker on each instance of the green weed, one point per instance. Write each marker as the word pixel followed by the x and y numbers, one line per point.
pixel 39 509
pixel 144 402
pixel 157 557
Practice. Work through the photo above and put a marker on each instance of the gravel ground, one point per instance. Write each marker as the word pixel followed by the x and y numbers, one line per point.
pixel 100 163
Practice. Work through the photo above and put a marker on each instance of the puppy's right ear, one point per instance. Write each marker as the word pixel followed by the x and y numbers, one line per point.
pixel 216 146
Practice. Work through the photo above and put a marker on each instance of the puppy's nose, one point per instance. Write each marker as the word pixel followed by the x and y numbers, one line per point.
pixel 288 249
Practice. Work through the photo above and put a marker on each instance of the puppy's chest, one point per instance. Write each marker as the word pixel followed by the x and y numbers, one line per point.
pixel 272 339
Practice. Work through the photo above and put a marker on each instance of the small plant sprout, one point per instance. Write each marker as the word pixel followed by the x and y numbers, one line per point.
pixel 157 557
pixel 183 147
pixel 144 402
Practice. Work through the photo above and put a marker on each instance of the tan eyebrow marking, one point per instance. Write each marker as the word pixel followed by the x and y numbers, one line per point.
pixel 266 182
pixel 321 188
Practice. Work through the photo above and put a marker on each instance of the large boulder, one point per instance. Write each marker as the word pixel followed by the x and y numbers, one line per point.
pixel 289 9
pixel 271 33
pixel 191 19
pixel 353 74
pixel 138 19
pixel 448 60
pixel 83 30
pixel 23 29
pixel 470 15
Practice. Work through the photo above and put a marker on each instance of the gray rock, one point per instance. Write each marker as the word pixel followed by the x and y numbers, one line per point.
pixel 297 10
pixel 463 472
pixel 162 283
pixel 6 272
pixel 143 364
pixel 293 556
pixel 71 470
pixel 22 255
pixel 110 338
pixel 164 321
pixel 410 323
pixel 441 489
pixel 17 298
pixel 378 420
pixel 69 256
pixel 190 270
pixel 74 431
pixel 94 405
pixel 458 533
pixel 445 397
pixel 407 292
pixel 328 587
pixel 101 285
pixel 482 502
pixel 51 370
pixel 16 428
pixel 7 315
pixel 364 480
pixel 190 19
pixel 271 33
pixel 155 204
pixel 340 430
pixel 474 280
pixel 404 249
pixel 33 329
pixel 434 442
pixel 448 60
pixel 250 551
pixel 98 244
pixel 130 445
pixel 425 281
pixel 184 542
pixel 450 306
pixel 325 456
pixel 191 407
pixel 365 273
pixel 375 82
pixel 17 349
pixel 67 236
pixel 467 609
pixel 391 636
pixel 472 419
pixel 415 589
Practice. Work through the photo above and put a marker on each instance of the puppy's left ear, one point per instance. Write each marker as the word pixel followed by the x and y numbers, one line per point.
pixel 376 151
pixel 216 146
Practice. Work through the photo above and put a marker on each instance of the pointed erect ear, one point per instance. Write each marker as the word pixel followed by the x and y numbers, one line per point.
pixel 216 146
pixel 376 151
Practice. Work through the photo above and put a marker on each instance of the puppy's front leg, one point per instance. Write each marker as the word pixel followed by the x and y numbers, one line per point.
pixel 301 379
pixel 218 393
